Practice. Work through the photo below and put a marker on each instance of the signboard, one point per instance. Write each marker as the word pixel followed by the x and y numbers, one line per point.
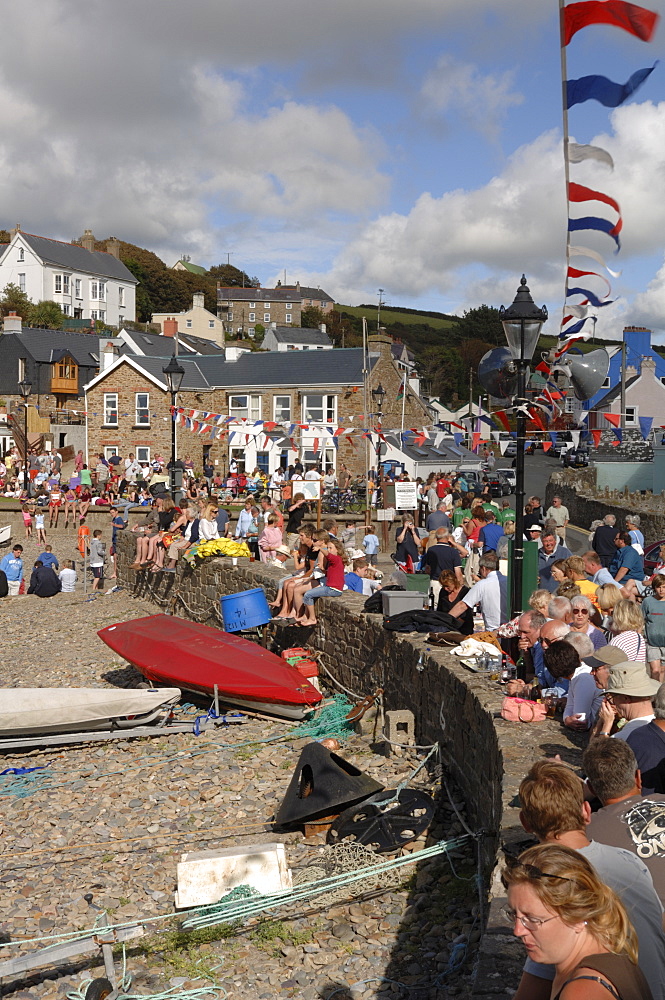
pixel 385 515
pixel 402 496
pixel 311 488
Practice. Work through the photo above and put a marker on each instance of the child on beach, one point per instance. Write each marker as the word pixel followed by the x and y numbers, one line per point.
pixel 371 545
pixel 28 511
pixel 39 526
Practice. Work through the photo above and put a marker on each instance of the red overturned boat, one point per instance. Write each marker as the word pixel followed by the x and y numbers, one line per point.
pixel 180 653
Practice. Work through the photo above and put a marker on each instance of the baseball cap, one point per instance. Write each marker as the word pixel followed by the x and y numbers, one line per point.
pixel 631 679
pixel 605 656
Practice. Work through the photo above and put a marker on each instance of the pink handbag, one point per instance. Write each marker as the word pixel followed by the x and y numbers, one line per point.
pixel 522 710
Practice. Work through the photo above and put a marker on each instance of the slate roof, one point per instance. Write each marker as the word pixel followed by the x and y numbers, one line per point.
pixel 47 346
pixel 230 293
pixel 314 293
pixel 300 335
pixel 613 394
pixel 157 344
pixel 75 258
pixel 263 369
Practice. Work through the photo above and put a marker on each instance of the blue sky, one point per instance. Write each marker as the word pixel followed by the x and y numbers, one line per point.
pixel 410 146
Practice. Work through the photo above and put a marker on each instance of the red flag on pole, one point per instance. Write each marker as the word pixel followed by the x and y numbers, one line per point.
pixel 636 20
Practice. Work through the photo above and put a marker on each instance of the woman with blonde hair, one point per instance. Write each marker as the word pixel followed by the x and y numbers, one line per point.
pixel 559 571
pixel 576 572
pixel 628 629
pixel 539 600
pixel 566 917
pixel 208 529
pixel 608 596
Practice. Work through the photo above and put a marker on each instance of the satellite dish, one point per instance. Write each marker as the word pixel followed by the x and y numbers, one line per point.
pixel 497 373
pixel 587 372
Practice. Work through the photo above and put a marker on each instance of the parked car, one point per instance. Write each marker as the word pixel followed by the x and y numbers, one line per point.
pixel 511 450
pixel 575 459
pixel 652 557
pixel 511 478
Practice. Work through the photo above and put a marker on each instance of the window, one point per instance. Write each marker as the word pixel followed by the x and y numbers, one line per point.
pixel 289 305
pixel 102 314
pixel 67 309
pixel 245 406
pixel 21 369
pixel 211 324
pixel 606 384
pixel 252 305
pixel 94 289
pixel 110 451
pixel 189 324
pixel 239 455
pixel 121 296
pixel 266 317
pixel 263 461
pixel 142 409
pixel 570 405
pixel 266 305
pixel 142 454
pixel 252 317
pixel 57 284
pixel 77 288
pixel 93 314
pixel 282 406
pixel 65 284
pixel 110 409
pixel 320 409
pixel 288 317
pixel 21 253
pixel 631 416
pixel 21 282
pixel 102 291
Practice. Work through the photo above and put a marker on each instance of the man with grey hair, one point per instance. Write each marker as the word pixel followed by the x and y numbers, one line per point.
pixel 628 819
pixel 438 518
pixel 550 550
pixel 603 540
pixel 561 609
pixel 584 698
pixel 489 594
pixel 648 744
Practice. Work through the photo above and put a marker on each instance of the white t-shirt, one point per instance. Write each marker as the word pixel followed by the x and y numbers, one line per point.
pixel 624 872
pixel 68 580
pixel 490 594
pixel 312 475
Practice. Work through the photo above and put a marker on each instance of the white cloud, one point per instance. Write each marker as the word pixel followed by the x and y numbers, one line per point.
pixel 649 306
pixel 459 90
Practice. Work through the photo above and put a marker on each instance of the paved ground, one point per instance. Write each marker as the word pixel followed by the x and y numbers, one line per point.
pixel 114 819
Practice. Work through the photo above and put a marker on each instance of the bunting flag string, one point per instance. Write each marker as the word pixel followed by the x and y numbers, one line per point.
pixel 639 22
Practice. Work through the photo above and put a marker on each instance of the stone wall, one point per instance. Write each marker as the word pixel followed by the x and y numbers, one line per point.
pixel 486 756
pixel 586 503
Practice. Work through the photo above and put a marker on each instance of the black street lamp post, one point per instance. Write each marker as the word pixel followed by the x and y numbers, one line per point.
pixel 174 373
pixel 25 388
pixel 378 395
pixel 522 323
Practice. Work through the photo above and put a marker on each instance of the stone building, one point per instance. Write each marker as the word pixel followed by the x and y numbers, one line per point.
pixel 197 321
pixel 302 396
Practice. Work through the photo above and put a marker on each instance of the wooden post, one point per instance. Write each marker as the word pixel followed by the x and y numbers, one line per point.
pixel 318 510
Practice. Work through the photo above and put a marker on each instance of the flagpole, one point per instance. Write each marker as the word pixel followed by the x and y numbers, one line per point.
pixel 403 403
pixel 368 499
pixel 566 138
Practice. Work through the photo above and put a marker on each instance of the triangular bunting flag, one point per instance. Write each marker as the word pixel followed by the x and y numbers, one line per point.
pixel 613 418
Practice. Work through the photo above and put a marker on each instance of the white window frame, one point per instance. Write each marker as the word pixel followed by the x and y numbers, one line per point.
pixel 631 416
pixel 211 324
pixel 102 291
pixel 266 317
pixel 278 411
pixel 66 309
pixel 21 254
pixel 66 286
pixel 77 288
pixel 288 317
pixel 251 409
pixel 143 454
pixel 94 289
pixel 121 295
pixel 21 369
pixel 328 409
pixel 188 324
pixel 102 315
pixel 57 284
pixel 607 383
pixel 141 412
pixel 252 305
pixel 21 282
pixel 110 451
pixel 252 317
pixel 110 409
pixel 93 314
pixel 288 305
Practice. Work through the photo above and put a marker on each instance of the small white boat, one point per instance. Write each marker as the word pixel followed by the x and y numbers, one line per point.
pixel 6 534
pixel 42 711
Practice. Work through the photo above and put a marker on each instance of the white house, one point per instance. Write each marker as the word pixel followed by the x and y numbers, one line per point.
pixel 85 283
pixel 288 338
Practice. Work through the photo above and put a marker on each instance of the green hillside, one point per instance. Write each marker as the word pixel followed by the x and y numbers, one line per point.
pixel 391 315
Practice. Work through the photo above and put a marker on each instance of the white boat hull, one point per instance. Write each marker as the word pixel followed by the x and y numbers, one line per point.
pixel 39 711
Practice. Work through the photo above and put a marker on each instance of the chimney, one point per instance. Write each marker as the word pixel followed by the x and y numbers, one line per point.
pixel 380 344
pixel 109 353
pixel 14 231
pixel 273 326
pixel 113 247
pixel 323 328
pixel 88 240
pixel 170 327
pixel 198 300
pixel 12 323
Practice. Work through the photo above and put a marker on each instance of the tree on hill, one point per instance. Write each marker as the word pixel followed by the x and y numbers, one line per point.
pixel 482 323
pixel 232 276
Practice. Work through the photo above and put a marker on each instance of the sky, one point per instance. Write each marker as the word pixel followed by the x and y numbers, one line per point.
pixel 409 145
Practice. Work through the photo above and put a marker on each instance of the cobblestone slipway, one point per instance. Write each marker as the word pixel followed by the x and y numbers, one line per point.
pixel 113 819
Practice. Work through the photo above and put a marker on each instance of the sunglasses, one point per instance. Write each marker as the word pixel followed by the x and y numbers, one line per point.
pixel 514 864
pixel 580 611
